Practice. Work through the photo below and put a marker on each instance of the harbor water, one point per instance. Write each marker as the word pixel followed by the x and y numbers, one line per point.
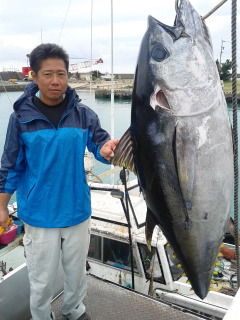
pixel 101 106
pixel 122 112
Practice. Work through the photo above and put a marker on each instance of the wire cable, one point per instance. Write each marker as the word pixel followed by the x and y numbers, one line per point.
pixel 235 129
pixel 5 89
pixel 64 21
pixel 214 9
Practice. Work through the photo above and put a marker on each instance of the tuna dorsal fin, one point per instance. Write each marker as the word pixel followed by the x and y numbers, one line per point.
pixel 123 154
pixel 151 223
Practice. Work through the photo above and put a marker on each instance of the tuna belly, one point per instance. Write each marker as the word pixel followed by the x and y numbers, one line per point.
pixel 204 156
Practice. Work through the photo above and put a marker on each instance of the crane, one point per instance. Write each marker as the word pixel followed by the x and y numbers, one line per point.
pixel 74 67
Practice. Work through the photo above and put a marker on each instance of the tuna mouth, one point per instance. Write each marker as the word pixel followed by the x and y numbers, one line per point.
pixel 176 31
pixel 158 100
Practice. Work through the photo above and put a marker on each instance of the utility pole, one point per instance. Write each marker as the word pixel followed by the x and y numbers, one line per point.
pixel 222 48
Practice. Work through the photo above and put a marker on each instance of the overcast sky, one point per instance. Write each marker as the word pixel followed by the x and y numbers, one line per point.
pixel 25 24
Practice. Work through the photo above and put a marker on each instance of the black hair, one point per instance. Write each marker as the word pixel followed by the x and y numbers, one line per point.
pixel 45 51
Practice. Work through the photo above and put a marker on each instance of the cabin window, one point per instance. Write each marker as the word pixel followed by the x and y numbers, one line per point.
pixel 174 263
pixel 111 252
pixel 117 254
pixel 151 263
pixel 95 247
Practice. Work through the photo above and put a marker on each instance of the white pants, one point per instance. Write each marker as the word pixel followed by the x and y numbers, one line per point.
pixel 44 248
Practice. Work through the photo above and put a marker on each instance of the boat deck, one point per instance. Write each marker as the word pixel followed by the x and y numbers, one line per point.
pixel 106 301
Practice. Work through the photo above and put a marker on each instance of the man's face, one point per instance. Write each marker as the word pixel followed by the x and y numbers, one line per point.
pixel 52 80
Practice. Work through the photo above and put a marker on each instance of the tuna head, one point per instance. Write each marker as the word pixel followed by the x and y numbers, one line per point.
pixel 181 63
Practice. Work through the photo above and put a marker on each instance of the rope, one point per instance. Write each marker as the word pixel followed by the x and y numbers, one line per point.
pixel 94 178
pixel 235 130
pixel 64 21
pixel 209 13
pixel 214 9
pixel 5 90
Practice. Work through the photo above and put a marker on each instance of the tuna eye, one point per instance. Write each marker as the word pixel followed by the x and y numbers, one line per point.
pixel 159 53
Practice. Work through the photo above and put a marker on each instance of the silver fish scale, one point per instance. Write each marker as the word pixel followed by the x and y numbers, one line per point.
pixel 105 301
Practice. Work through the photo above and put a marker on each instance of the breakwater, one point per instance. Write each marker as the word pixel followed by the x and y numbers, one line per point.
pixel 127 94
pixel 13 87
pixel 119 93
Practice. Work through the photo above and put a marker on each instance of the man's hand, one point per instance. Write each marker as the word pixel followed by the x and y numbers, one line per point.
pixel 4 200
pixel 107 149
pixel 4 214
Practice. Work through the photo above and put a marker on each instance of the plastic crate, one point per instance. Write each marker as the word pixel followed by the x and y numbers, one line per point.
pixel 8 236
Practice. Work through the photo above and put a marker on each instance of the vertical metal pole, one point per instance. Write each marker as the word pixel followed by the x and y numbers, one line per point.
pixel 91 54
pixel 222 48
pixel 235 130
pixel 112 76
pixel 112 86
pixel 129 226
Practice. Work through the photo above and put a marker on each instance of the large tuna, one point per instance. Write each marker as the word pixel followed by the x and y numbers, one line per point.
pixel 179 142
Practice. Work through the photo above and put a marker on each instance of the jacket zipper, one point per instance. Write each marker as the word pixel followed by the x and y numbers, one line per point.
pixel 74 105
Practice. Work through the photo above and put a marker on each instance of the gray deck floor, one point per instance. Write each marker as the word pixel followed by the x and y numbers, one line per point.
pixel 106 301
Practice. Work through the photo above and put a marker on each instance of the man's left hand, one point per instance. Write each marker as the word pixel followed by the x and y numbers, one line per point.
pixel 107 149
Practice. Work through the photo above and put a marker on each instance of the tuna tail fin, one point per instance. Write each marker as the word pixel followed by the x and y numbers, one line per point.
pixel 123 154
pixel 151 223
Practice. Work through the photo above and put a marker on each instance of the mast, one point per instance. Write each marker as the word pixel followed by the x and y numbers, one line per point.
pixel 112 86
pixel 91 54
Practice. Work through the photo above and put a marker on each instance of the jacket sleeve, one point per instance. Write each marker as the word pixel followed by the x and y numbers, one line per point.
pixel 96 138
pixel 13 158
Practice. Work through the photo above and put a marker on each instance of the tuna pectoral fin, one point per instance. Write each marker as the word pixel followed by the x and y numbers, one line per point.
pixel 151 223
pixel 123 154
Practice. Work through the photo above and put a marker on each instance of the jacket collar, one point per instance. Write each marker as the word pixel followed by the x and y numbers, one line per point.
pixel 25 109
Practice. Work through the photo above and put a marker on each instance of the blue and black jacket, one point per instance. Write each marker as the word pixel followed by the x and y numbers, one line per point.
pixel 46 164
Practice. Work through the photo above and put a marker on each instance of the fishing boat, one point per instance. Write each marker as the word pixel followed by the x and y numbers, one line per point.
pixel 118 254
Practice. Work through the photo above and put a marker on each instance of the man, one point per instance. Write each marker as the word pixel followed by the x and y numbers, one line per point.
pixel 43 160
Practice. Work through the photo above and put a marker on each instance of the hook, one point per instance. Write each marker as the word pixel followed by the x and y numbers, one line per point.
pixel 176 5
